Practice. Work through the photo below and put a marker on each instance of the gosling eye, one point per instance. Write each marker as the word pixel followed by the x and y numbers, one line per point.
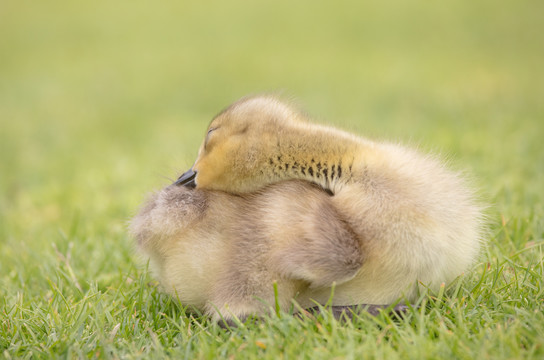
pixel 208 137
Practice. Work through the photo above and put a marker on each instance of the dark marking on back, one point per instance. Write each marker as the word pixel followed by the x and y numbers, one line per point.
pixel 332 171
pixel 350 172
pixel 311 171
pixel 339 171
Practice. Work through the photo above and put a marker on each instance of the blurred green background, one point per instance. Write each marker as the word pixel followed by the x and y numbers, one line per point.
pixel 103 101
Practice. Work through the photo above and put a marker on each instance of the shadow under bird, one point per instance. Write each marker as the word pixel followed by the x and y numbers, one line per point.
pixel 273 197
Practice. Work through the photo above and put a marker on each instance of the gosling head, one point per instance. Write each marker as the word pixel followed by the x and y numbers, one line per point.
pixel 240 145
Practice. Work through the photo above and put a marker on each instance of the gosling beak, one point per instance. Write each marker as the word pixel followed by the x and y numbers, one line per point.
pixel 187 179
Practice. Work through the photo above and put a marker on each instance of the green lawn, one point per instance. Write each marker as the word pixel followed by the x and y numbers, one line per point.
pixel 104 101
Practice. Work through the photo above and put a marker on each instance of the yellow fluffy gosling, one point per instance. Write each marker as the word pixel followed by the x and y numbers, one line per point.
pixel 414 220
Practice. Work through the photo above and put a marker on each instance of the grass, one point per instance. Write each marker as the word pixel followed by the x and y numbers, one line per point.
pixel 103 102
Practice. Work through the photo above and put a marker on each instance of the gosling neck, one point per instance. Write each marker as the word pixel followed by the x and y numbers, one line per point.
pixel 321 155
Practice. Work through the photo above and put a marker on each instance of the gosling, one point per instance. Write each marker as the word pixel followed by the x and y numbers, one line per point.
pixel 415 221
pixel 223 254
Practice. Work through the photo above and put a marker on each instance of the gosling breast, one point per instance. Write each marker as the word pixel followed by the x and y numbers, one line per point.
pixel 223 254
